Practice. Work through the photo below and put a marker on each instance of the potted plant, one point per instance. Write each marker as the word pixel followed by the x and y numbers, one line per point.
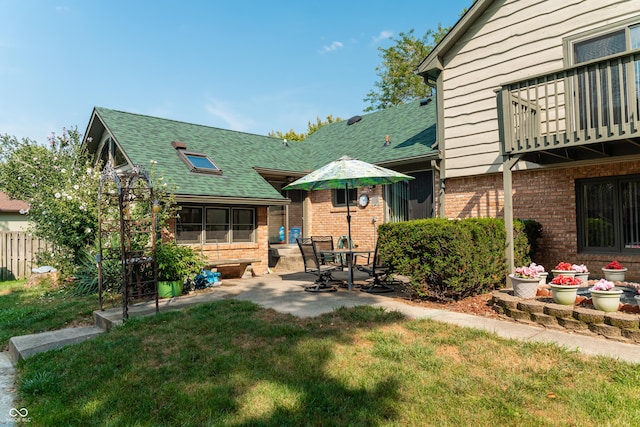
pixel 604 296
pixel 564 289
pixel 614 271
pixel 525 280
pixel 564 269
pixel 582 272
pixel 175 263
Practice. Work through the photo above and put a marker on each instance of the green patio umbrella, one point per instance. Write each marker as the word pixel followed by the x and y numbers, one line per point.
pixel 347 173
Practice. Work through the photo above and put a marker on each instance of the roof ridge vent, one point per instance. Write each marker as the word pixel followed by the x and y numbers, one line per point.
pixel 354 119
pixel 179 145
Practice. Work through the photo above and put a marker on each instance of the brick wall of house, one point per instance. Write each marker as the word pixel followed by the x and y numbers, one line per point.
pixel 327 220
pixel 548 196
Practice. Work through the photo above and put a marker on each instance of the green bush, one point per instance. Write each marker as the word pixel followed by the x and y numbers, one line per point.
pixel 176 262
pixel 450 260
pixel 533 231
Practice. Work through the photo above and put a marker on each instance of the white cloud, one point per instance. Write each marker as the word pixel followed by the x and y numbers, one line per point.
pixel 332 47
pixel 222 111
pixel 382 36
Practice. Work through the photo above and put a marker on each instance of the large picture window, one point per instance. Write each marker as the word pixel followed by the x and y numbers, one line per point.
pixel 609 214
pixel 204 224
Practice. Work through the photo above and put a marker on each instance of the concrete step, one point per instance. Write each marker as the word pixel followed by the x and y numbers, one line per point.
pixel 24 346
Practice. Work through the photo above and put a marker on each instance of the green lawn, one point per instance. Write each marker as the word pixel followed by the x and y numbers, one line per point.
pixel 40 308
pixel 231 363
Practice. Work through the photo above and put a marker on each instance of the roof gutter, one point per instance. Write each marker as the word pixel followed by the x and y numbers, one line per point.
pixel 184 198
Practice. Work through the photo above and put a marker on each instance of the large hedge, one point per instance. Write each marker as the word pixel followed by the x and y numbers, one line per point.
pixel 451 259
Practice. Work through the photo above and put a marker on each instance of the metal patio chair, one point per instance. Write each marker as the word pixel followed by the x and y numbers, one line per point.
pixel 313 265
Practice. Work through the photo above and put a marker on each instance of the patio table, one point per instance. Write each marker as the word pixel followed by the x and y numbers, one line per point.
pixel 349 254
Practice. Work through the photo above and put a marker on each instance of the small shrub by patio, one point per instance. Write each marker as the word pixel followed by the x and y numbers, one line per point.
pixel 451 260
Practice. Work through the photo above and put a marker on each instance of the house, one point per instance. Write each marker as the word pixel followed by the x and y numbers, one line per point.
pixel 13 214
pixel 229 184
pixel 538 117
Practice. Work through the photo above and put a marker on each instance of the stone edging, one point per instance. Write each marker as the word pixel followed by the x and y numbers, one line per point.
pixel 618 326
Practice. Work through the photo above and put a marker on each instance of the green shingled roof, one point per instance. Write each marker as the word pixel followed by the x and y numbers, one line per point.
pixel 411 128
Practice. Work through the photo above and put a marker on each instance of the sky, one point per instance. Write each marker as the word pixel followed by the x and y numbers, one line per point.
pixel 250 66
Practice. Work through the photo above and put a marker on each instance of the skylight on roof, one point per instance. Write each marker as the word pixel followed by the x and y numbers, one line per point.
pixel 200 163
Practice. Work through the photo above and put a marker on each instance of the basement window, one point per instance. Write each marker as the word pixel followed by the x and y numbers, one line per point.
pixel 199 163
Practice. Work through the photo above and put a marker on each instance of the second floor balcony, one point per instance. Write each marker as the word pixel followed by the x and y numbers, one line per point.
pixel 582 112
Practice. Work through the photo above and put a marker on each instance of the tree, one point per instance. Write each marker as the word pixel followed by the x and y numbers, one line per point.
pixel 398 83
pixel 311 128
pixel 59 183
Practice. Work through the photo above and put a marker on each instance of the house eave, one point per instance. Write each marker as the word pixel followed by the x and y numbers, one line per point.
pixel 218 200
pixel 432 64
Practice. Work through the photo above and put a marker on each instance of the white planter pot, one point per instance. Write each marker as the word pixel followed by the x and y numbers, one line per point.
pixel 543 278
pixel 584 278
pixel 606 300
pixel 524 288
pixel 564 273
pixel 614 275
pixel 563 294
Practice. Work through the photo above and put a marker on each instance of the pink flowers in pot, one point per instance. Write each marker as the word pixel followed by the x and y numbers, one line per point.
pixel 603 285
pixel 579 268
pixel 531 272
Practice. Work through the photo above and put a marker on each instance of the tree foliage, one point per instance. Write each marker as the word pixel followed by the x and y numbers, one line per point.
pixel 59 183
pixel 291 135
pixel 398 83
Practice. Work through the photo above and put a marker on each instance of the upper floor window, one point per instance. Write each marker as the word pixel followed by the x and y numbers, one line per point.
pixel 601 99
pixel 607 214
pixel 110 152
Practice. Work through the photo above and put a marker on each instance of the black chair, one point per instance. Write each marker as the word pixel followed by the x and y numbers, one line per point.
pixel 376 269
pixel 325 244
pixel 313 265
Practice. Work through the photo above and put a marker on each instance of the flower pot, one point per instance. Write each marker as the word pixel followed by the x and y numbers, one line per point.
pixel 565 295
pixel 565 273
pixel 170 289
pixel 543 278
pixel 584 277
pixel 606 300
pixel 524 288
pixel 614 275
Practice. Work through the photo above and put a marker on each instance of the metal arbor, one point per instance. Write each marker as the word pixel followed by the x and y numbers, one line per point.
pixel 127 237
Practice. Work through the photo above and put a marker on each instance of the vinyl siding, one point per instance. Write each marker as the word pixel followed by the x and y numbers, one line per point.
pixel 512 40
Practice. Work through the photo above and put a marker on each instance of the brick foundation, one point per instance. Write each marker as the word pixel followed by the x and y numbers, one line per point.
pixel 546 195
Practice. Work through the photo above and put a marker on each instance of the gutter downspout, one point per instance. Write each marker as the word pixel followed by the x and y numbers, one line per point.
pixel 439 164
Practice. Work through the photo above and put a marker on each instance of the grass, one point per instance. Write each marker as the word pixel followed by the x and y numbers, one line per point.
pixel 40 308
pixel 232 363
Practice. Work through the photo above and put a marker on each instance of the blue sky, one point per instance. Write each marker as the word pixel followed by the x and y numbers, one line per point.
pixel 251 66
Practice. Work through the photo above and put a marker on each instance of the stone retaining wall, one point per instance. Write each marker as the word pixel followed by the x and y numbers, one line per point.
pixel 618 326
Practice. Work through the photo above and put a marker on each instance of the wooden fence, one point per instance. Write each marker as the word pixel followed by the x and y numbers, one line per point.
pixel 18 252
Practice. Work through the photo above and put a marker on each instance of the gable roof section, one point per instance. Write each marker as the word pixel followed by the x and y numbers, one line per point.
pixel 411 130
pixel 432 64
pixel 240 156
pixel 145 138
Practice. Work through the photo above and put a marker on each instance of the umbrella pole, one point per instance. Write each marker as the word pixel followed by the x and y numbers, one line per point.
pixel 346 187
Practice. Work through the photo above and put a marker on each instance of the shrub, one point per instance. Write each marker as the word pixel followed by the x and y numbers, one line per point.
pixel 176 262
pixel 450 260
pixel 533 231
